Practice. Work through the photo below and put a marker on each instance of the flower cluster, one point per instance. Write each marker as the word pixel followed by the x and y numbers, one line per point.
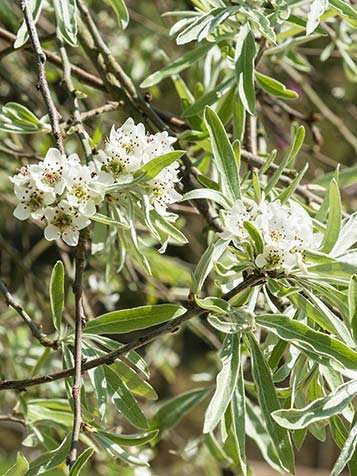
pixel 128 149
pixel 60 190
pixel 286 231
pixel 65 193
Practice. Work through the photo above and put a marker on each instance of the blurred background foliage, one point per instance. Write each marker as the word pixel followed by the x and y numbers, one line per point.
pixel 26 258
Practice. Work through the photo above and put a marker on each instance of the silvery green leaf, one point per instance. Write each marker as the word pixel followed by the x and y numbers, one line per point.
pixel 244 67
pixel 320 409
pixel 22 34
pixel 317 9
pixel 225 384
pixel 66 15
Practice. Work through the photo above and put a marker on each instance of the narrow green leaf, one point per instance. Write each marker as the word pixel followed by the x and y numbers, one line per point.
pixel 269 403
pixel 320 409
pixel 66 16
pixel 225 383
pixel 334 218
pixel 135 439
pixel 216 449
pixel 154 167
pixel 347 452
pixel 288 192
pixel 57 294
pixel 116 451
pixel 210 98
pixel 22 34
pixel 128 320
pixel 206 263
pixel 255 236
pixel 207 194
pixel 296 144
pixel 121 12
pixel 274 87
pixel 80 462
pixel 51 459
pixel 171 412
pixel 256 430
pixel 244 67
pixel 182 63
pixel 344 8
pixel 223 154
pixel 352 305
pixel 347 237
pixel 124 401
pixel 20 468
pixel 314 342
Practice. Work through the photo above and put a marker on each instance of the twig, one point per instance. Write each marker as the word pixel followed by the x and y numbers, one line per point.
pixel 255 279
pixel 84 76
pixel 35 330
pixel 12 419
pixel 324 109
pixel 42 81
pixel 80 321
pixel 109 67
pixel 78 124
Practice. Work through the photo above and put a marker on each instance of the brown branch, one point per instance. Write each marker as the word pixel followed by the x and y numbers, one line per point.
pixel 41 72
pixel 35 330
pixel 80 319
pixel 77 123
pixel 12 419
pixel 84 76
pixel 255 279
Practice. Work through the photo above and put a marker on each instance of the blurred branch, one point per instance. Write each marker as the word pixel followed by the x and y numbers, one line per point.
pixel 321 106
pixel 255 279
pixel 35 330
pixel 12 419
pixel 41 72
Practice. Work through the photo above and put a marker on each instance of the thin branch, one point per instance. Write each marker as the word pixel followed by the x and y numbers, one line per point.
pixel 12 419
pixel 326 112
pixel 80 319
pixel 84 76
pixel 41 72
pixel 77 123
pixel 255 279
pixel 35 330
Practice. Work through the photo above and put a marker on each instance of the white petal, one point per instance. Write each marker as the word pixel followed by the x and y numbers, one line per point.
pixel 53 155
pixel 104 178
pixel 81 222
pixel 21 212
pixel 50 213
pixel 38 214
pixel 89 209
pixel 260 261
pixel 71 238
pixel 51 233
pixel 49 197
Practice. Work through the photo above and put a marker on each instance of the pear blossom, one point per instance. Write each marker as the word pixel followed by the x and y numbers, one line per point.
pixel 286 230
pixel 124 150
pixel 233 220
pixel 80 180
pixel 158 144
pixel 32 202
pixel 161 189
pixel 48 174
pixel 64 221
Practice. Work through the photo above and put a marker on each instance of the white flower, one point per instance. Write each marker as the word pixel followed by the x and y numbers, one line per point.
pixel 85 187
pixel 275 257
pixel 233 220
pixel 32 201
pixel 64 221
pixel 124 150
pixel 158 144
pixel 48 174
pixel 161 189
pixel 23 177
